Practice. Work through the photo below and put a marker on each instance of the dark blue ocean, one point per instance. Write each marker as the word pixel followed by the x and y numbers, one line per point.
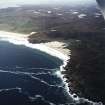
pixel 28 77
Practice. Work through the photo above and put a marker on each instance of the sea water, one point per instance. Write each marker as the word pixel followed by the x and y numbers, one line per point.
pixel 28 77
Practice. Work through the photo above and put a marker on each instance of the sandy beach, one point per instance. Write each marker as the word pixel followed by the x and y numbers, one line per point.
pixel 53 48
pixel 59 46
pixel 4 34
pixel 11 34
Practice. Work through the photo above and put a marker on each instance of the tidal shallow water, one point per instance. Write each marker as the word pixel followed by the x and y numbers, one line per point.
pixel 28 77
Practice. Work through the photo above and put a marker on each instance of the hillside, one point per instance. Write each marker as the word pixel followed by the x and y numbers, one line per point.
pixel 82 28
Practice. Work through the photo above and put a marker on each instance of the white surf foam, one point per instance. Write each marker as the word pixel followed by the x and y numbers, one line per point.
pixel 52 52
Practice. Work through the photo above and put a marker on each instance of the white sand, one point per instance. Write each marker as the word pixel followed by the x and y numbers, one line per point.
pixel 53 48
pixel 17 36
pixel 59 46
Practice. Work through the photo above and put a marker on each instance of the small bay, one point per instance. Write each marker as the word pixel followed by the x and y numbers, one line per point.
pixel 29 77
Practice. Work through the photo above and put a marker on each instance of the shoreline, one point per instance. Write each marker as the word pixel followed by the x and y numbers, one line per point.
pixel 54 48
pixel 48 48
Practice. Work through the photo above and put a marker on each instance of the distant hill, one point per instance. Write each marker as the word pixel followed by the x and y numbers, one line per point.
pixel 29 18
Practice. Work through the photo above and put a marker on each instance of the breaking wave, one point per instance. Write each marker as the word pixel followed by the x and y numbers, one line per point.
pixel 37 85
